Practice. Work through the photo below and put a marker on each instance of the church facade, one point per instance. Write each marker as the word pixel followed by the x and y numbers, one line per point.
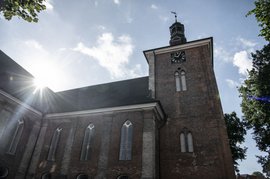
pixel 166 125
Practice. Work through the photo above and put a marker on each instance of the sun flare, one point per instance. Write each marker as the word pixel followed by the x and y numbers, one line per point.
pixel 47 74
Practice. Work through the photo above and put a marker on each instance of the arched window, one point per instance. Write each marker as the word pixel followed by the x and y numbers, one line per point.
pixel 16 137
pixel 182 142
pixel 180 80
pixel 54 143
pixel 186 141
pixel 190 142
pixel 177 81
pixel 183 81
pixel 82 176
pixel 126 141
pixel 46 176
pixel 87 142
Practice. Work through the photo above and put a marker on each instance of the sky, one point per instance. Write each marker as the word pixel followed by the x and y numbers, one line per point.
pixel 87 42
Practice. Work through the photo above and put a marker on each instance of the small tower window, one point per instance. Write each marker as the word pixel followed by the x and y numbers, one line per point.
pixel 186 141
pixel 183 81
pixel 54 144
pixel 182 142
pixel 190 142
pixel 87 142
pixel 126 141
pixel 16 137
pixel 177 81
pixel 180 81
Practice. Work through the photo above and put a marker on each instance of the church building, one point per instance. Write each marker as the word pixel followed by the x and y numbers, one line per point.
pixel 168 125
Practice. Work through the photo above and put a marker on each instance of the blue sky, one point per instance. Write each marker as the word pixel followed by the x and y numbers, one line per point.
pixel 86 42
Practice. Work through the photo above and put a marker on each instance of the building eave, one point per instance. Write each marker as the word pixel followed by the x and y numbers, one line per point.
pixel 196 43
pixel 156 106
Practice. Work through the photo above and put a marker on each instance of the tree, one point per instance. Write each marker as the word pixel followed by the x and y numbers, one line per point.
pixel 255 93
pixel 262 14
pixel 26 9
pixel 236 132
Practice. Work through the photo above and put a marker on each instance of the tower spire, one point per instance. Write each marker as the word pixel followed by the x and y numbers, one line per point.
pixel 177 31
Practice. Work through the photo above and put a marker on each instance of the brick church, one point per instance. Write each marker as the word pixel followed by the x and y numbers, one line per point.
pixel 167 125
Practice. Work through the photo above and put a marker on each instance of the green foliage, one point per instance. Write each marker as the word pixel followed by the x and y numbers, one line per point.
pixel 26 9
pixel 262 14
pixel 236 132
pixel 255 93
pixel 265 162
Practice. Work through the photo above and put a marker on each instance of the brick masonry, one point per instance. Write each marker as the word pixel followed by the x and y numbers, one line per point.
pixel 198 109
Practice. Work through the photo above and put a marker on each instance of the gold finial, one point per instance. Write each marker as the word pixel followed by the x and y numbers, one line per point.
pixel 175 15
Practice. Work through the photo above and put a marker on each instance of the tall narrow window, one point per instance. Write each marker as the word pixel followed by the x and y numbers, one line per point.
pixel 183 81
pixel 54 143
pixel 190 142
pixel 183 142
pixel 126 141
pixel 87 142
pixel 16 137
pixel 177 81
pixel 186 141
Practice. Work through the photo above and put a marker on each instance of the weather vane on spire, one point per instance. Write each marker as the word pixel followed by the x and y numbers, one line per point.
pixel 175 15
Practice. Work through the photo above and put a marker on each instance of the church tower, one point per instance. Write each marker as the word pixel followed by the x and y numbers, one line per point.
pixel 193 141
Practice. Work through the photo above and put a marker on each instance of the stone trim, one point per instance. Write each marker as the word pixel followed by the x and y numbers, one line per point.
pixel 156 106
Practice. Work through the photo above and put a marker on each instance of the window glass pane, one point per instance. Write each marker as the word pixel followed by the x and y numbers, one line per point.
pixel 182 142
pixel 183 81
pixel 54 143
pixel 190 142
pixel 177 81
pixel 126 141
pixel 87 142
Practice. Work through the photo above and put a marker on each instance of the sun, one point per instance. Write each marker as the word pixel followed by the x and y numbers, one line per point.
pixel 47 74
pixel 39 84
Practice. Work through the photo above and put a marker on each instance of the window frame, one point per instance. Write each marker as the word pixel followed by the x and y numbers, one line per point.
pixel 87 144
pixel 126 141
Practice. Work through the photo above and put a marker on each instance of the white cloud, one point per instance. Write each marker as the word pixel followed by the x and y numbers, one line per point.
pixel 243 62
pixel 116 1
pixel 222 54
pixel 232 83
pixel 48 4
pixel 153 6
pixel 246 43
pixel 112 54
pixel 33 44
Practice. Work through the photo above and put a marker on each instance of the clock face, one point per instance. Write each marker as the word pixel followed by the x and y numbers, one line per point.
pixel 178 57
